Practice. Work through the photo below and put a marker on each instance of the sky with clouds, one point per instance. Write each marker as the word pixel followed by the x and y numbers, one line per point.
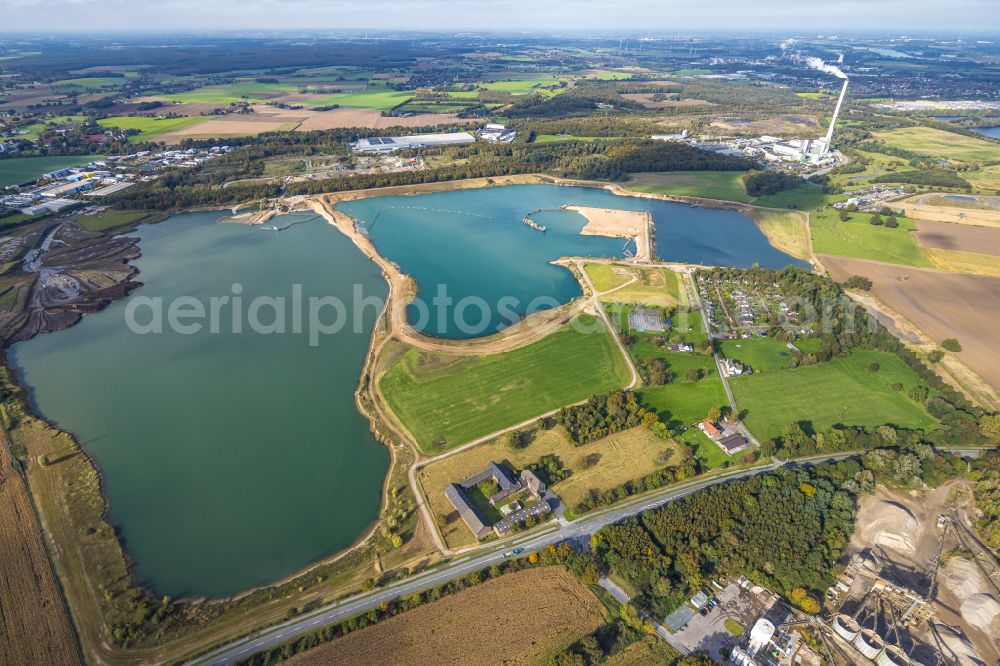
pixel 654 16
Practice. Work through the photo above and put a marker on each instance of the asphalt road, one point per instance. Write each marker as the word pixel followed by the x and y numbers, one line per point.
pixel 335 612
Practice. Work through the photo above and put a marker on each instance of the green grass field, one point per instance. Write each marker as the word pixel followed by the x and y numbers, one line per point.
pixel 761 354
pixel 232 92
pixel 446 400
pixel 150 129
pixel 803 197
pixel 380 99
pixel 20 169
pixel 986 178
pixel 16 218
pixel 859 239
pixel 92 83
pixel 677 362
pixel 723 185
pixel 705 450
pixel 653 286
pixel 605 277
pixel 941 144
pixel 684 402
pixel 809 345
pixel 841 391
pixel 109 219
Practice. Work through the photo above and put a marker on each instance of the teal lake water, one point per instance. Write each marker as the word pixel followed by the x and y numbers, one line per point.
pixel 228 460
pixel 475 243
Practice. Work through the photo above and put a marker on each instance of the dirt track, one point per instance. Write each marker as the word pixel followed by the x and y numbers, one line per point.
pixel 942 305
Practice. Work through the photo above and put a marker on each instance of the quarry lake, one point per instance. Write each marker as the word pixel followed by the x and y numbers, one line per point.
pixel 229 459
pixel 475 242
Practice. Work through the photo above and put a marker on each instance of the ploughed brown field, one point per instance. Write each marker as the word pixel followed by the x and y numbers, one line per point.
pixel 941 304
pixel 520 618
pixel 373 119
pixel 963 237
pixel 34 626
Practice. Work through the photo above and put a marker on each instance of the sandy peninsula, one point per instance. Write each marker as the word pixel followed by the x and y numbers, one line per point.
pixel 618 224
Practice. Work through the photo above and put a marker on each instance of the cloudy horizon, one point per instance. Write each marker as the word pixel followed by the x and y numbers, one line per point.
pixel 652 16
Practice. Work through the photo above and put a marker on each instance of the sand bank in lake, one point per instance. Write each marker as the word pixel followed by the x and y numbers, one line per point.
pixel 619 224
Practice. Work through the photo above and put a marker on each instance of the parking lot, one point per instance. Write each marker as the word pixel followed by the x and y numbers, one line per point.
pixel 709 633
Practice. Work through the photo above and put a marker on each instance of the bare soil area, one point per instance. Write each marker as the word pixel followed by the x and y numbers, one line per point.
pixel 373 119
pixel 231 125
pixel 941 304
pixel 521 618
pixel 964 237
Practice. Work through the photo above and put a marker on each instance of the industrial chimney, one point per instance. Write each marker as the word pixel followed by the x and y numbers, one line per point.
pixel 828 142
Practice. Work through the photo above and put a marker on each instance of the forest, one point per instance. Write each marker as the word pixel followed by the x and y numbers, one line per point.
pixel 762 183
pixel 784 530
pixel 586 160
pixel 603 415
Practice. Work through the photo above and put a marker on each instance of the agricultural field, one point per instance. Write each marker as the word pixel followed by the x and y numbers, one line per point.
pixel 379 100
pixel 959 261
pixel 941 144
pixel 723 185
pixel 372 119
pixel 90 83
pixel 527 616
pixel 840 391
pixel 858 239
pixel 761 354
pixel 961 237
pixel 445 399
pixel 38 630
pixel 978 210
pixel 523 87
pixel 942 305
pixel 623 456
pixel 20 169
pixel 150 129
pixel 682 402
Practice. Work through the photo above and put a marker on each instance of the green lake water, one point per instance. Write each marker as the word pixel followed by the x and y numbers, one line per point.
pixel 475 244
pixel 228 460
